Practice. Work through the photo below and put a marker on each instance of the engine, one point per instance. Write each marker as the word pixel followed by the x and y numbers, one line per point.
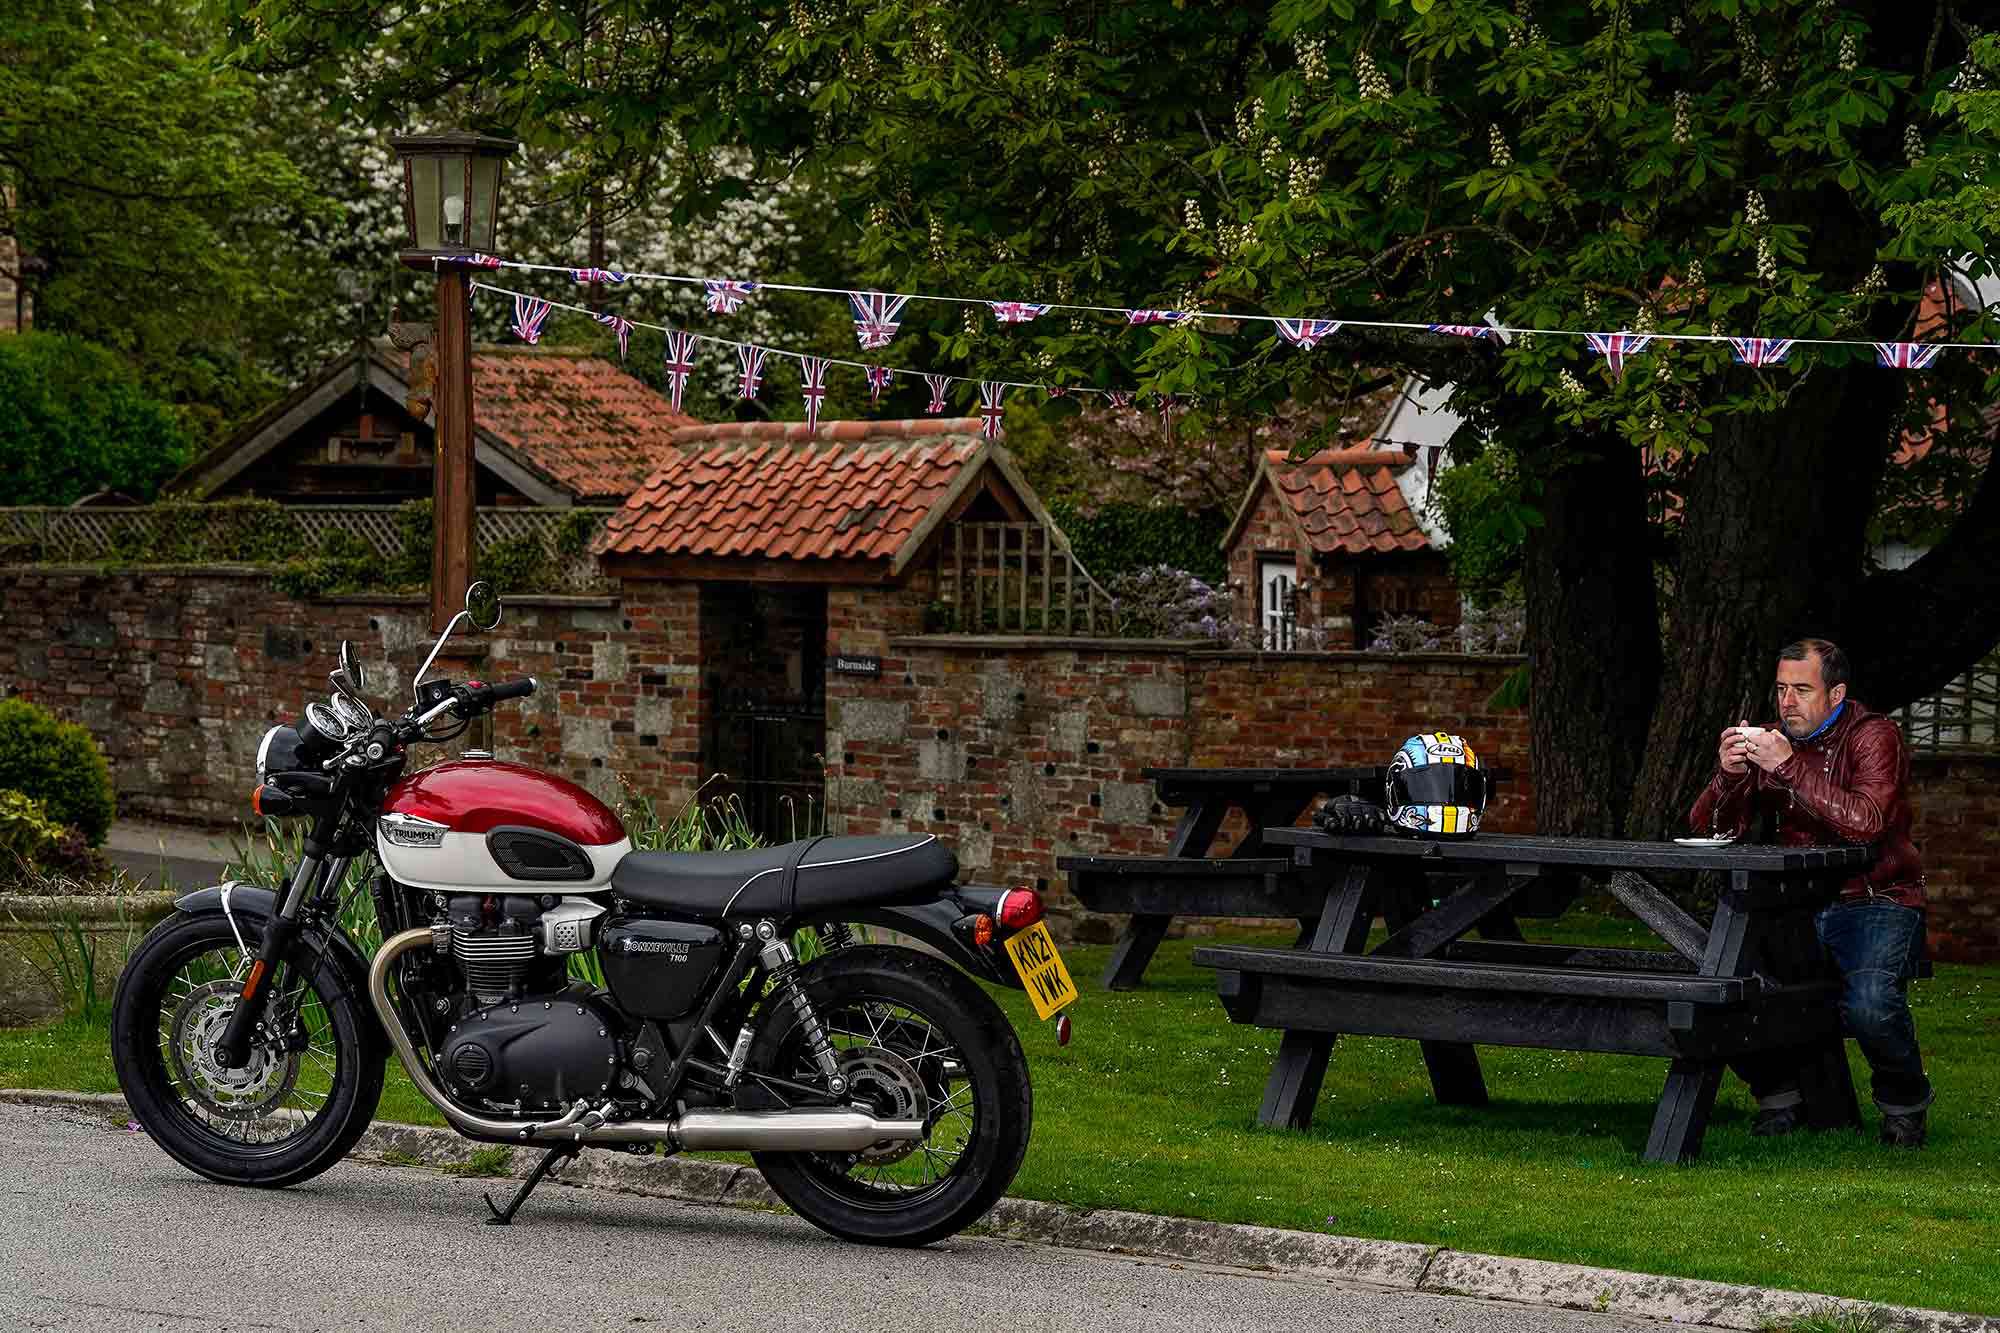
pixel 525 1037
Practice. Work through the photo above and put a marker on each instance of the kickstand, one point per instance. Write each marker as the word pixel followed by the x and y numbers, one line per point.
pixel 505 1216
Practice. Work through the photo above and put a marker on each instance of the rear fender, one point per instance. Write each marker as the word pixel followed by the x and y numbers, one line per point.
pixel 936 924
pixel 247 904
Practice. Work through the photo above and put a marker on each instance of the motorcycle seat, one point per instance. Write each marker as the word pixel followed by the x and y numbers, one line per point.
pixel 810 876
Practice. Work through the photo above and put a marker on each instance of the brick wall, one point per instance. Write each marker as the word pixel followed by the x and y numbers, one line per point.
pixel 1018 752
pixel 178 673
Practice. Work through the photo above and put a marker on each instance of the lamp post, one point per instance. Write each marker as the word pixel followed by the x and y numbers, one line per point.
pixel 451 209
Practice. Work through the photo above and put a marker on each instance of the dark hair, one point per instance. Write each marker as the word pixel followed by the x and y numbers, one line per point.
pixel 1832 662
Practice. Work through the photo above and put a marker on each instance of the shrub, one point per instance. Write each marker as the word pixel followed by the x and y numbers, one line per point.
pixel 518 564
pixel 1116 539
pixel 57 764
pixel 1161 602
pixel 74 420
pixel 25 830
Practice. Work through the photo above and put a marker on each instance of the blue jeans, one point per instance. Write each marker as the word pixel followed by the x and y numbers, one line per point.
pixel 1876 945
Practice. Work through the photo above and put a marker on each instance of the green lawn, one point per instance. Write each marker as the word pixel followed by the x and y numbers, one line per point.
pixel 1152 1108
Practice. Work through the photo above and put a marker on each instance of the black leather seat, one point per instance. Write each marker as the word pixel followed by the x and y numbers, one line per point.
pixel 797 878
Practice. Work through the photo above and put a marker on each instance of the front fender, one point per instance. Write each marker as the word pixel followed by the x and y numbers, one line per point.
pixel 247 902
pixel 935 924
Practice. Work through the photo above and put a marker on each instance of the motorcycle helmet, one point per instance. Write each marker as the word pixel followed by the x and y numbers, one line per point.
pixel 1435 787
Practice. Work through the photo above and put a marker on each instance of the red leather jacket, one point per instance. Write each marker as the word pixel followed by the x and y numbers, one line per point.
pixel 1847 785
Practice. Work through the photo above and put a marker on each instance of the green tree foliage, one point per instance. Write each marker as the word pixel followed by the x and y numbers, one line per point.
pixel 1707 167
pixel 57 764
pixel 1115 538
pixel 133 171
pixel 74 420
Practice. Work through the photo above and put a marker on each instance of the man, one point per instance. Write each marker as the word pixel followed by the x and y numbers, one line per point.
pixel 1832 772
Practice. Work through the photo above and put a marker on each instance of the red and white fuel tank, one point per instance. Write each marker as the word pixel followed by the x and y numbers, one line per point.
pixel 483 825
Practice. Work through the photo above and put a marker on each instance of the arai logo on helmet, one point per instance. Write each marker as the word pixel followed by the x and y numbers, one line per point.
pixel 403 830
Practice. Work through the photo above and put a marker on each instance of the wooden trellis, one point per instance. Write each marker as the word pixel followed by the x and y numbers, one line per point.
pixel 1015 578
pixel 1963 716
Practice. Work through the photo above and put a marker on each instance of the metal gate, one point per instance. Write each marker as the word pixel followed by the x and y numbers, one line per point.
pixel 773 751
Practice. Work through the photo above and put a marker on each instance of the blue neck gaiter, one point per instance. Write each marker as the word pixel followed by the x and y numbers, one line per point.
pixel 1831 718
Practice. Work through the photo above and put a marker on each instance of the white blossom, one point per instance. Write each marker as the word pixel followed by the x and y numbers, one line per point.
pixel 1374 85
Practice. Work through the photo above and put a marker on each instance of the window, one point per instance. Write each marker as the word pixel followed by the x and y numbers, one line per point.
pixel 1278 579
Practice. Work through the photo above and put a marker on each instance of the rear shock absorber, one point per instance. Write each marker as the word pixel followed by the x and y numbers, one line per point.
pixel 783 965
pixel 834 935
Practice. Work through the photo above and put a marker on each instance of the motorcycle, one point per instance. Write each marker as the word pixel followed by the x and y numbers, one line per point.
pixel 881 1092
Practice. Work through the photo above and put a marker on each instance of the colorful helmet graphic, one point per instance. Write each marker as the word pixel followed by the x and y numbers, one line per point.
pixel 1436 787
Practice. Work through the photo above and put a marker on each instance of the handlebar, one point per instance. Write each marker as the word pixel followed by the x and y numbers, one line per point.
pixel 513 689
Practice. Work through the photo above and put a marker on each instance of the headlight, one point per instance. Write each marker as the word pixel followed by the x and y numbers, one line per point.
pixel 264 754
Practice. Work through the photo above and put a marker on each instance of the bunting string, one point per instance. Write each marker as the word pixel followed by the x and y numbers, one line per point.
pixel 725 296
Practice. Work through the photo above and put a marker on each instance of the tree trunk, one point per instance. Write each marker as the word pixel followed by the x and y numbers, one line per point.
pixel 1593 637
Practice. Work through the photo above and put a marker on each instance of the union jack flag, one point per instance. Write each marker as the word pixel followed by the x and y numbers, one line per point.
pixel 596 275
pixel 1306 333
pixel 1462 330
pixel 680 363
pixel 725 297
pixel 621 326
pixel 1016 312
pixel 473 260
pixel 1153 316
pixel 940 385
pixel 812 373
pixel 1761 351
pixel 1616 347
pixel 750 358
pixel 876 317
pixel 1906 356
pixel 529 316
pixel 1120 397
pixel 1167 405
pixel 990 411
pixel 1058 391
pixel 879 378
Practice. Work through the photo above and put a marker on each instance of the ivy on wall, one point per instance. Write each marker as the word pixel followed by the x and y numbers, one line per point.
pixel 1115 539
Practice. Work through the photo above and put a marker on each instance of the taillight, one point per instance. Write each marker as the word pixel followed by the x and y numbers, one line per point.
pixel 1019 908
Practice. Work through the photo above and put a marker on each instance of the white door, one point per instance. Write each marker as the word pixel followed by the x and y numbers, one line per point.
pixel 1280 583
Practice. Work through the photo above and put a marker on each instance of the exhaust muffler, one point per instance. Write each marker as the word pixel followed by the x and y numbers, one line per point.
pixel 809 1129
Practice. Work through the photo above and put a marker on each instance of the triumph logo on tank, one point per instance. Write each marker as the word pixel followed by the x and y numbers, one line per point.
pixel 675 950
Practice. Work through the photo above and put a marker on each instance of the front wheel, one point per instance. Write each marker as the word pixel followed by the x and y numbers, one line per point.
pixel 311 1084
pixel 916 1039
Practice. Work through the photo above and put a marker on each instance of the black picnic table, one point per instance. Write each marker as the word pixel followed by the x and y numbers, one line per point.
pixel 1253 880
pixel 1752 980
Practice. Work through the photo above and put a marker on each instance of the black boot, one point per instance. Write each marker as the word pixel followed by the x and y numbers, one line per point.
pixel 1904 1131
pixel 1775 1120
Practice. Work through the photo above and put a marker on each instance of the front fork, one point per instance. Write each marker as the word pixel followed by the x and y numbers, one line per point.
pixel 314 869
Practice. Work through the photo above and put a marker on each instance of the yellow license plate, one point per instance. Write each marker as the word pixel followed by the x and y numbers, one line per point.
pixel 1041 968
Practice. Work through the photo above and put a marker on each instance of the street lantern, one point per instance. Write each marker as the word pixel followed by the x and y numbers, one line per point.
pixel 451 207
pixel 451 192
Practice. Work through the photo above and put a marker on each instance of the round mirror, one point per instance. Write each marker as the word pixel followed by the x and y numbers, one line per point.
pixel 356 677
pixel 353 713
pixel 482 605
pixel 327 722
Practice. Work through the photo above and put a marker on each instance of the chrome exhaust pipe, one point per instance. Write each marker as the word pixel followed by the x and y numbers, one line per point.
pixel 810 1129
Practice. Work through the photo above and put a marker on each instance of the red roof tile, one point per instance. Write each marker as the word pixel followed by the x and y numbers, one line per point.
pixel 593 429
pixel 857 490
pixel 1347 500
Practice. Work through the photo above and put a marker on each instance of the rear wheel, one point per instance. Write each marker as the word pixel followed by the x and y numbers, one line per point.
pixel 916 1039
pixel 310 1086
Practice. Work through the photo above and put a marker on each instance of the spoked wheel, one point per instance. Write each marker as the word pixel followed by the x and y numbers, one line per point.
pixel 295 1108
pixel 916 1040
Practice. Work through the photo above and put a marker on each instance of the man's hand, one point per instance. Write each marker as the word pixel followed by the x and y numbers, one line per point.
pixel 1767 749
pixel 1731 753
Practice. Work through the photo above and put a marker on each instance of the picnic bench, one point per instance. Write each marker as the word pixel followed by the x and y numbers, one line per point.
pixel 1250 881
pixel 1254 880
pixel 1752 980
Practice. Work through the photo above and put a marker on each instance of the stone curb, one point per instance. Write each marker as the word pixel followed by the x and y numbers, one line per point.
pixel 1380 1264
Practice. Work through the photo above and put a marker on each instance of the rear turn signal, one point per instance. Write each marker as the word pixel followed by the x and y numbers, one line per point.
pixel 257 800
pixel 1019 908
pixel 982 930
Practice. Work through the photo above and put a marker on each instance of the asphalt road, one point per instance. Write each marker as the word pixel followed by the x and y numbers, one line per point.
pixel 99 1230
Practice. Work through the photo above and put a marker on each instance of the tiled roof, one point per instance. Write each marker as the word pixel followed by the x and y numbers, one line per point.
pixel 595 430
pixel 1347 501
pixel 857 490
